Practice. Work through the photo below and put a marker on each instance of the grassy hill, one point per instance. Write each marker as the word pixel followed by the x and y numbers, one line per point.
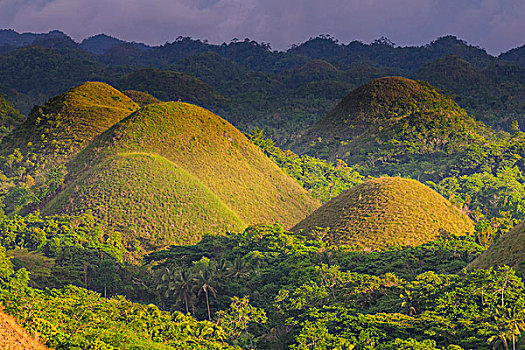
pixel 506 250
pixel 386 212
pixel 392 123
pixel 13 337
pixel 149 199
pixel 55 132
pixel 217 179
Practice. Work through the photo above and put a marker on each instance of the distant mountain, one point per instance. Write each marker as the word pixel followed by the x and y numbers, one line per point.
pixel 98 44
pixel 40 73
pixel 494 94
pixel 282 92
pixel 516 55
pixel 384 213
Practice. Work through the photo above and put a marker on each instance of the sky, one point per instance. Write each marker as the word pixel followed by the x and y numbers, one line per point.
pixel 495 25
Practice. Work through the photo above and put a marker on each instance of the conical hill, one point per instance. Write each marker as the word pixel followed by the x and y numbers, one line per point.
pixel 211 155
pixel 148 199
pixel 391 122
pixel 386 212
pixel 55 132
pixel 506 250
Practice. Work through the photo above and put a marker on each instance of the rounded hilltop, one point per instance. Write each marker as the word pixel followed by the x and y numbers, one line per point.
pixel 55 132
pixel 214 180
pixel 390 123
pixel 386 212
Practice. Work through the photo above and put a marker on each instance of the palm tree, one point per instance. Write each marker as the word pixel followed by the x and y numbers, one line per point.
pixel 206 281
pixel 178 283
pixel 239 268
pixel 510 323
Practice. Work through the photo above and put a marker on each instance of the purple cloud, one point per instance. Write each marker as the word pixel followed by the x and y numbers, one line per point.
pixel 496 25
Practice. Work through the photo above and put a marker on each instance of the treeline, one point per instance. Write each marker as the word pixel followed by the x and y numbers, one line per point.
pixel 252 86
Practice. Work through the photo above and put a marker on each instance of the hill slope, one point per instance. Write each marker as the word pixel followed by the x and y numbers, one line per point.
pixel 506 250
pixel 387 212
pixel 54 133
pixel 148 199
pixel 218 179
pixel 390 123
pixel 13 337
pixel 9 117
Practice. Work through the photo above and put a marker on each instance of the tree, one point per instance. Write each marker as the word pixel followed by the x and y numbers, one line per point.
pixel 236 321
pixel 178 282
pixel 206 280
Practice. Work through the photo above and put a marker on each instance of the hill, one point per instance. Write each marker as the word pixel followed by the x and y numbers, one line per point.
pixel 168 85
pixel 13 337
pixel 392 123
pixel 386 212
pixel 506 250
pixel 217 180
pixel 148 199
pixel 493 94
pixel 55 132
pixel 141 98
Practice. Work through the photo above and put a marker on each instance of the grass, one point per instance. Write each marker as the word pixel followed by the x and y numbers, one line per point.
pixel 387 212
pixel 506 250
pixel 215 153
pixel 147 198
pixel 14 337
pixel 55 132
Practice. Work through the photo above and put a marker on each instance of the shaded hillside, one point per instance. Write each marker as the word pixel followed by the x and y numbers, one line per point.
pixel 229 178
pixel 386 212
pixel 141 98
pixel 149 199
pixel 494 94
pixel 9 117
pixel 13 337
pixel 516 55
pixel 171 86
pixel 506 250
pixel 390 124
pixel 55 132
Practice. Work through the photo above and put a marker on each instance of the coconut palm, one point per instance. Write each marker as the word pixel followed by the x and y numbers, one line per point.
pixel 206 280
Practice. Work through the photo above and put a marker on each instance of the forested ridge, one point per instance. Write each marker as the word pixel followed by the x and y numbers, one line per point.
pixel 132 217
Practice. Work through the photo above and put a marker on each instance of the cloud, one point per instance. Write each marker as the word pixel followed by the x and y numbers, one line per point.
pixel 496 25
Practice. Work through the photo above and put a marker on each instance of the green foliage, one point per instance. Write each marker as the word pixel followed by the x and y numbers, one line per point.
pixel 322 179
pixel 74 318
pixel 9 117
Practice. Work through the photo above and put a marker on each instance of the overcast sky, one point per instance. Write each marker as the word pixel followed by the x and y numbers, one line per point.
pixel 496 25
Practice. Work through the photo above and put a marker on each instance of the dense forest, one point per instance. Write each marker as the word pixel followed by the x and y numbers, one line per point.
pixel 236 197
